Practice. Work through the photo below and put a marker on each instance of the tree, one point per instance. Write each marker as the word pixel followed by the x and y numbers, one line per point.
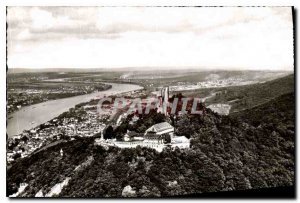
pixel 109 133
pixel 141 129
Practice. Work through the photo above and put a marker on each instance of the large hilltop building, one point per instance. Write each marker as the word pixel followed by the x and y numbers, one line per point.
pixel 160 128
pixel 158 136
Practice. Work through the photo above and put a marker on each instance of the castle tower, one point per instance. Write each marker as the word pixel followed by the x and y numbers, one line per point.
pixel 165 99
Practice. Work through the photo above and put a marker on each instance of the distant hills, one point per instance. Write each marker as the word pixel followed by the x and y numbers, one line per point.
pixel 129 69
pixel 75 70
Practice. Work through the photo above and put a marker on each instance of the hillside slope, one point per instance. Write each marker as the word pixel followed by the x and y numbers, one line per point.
pixel 226 154
pixel 248 96
pixel 282 108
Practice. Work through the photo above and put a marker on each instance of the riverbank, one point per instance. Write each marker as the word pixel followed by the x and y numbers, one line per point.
pixel 31 116
pixel 21 94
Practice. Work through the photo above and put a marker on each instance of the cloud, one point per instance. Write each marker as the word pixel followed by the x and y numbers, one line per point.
pixel 250 37
pixel 24 35
pixel 41 19
pixel 110 20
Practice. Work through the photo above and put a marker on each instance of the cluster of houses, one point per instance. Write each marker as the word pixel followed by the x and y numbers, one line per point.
pixel 29 141
pixel 136 94
pixel 212 84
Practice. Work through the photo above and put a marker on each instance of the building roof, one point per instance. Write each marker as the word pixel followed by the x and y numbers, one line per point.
pixel 180 139
pixel 161 127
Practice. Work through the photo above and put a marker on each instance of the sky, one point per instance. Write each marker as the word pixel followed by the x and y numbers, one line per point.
pixel 242 38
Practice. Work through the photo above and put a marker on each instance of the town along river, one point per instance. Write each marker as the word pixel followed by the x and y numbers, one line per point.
pixel 31 116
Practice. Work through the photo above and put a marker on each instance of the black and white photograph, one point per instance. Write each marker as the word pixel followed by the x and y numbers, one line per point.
pixel 150 102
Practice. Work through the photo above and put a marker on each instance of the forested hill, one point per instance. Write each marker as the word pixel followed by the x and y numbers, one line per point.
pixel 248 96
pixel 278 110
pixel 226 154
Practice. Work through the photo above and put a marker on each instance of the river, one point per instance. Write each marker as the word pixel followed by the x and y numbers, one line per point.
pixel 31 116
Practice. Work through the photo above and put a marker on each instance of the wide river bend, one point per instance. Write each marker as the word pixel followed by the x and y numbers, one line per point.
pixel 31 116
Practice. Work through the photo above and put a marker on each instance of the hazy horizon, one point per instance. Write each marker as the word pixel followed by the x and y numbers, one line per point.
pixel 130 69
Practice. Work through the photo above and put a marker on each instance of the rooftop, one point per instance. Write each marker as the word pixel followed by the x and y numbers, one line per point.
pixel 161 126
